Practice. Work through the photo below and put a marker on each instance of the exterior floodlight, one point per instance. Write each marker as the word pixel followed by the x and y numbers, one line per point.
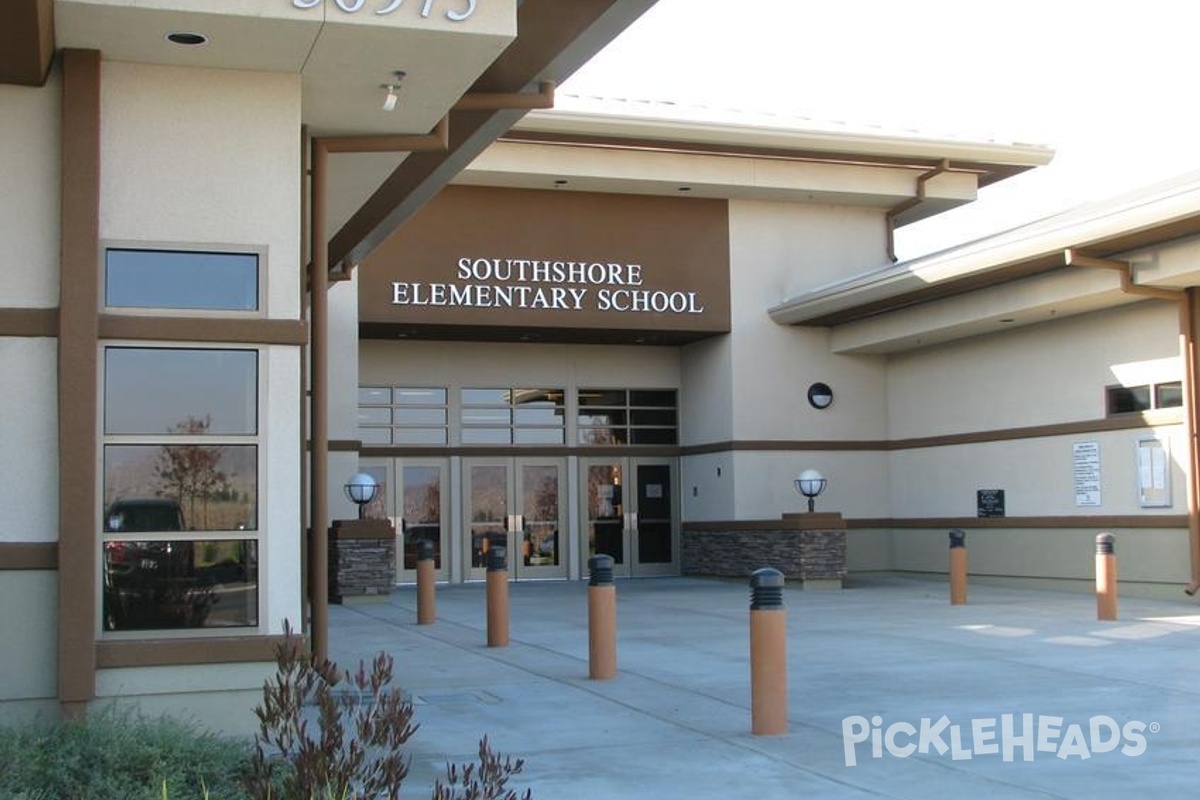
pixel 361 489
pixel 810 483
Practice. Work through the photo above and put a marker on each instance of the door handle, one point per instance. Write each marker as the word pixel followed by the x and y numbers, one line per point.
pixel 631 520
pixel 516 523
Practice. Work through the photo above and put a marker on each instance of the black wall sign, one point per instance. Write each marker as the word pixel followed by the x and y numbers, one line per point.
pixel 989 502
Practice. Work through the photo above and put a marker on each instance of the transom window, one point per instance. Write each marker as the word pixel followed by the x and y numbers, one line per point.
pixel 189 280
pixel 513 416
pixel 402 415
pixel 628 416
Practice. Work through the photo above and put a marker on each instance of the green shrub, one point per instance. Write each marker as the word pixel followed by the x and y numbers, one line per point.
pixel 116 755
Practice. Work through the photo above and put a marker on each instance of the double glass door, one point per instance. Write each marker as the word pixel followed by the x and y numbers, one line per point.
pixel 630 514
pixel 519 504
pixel 415 495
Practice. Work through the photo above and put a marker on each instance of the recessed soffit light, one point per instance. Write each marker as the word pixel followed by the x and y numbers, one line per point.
pixel 187 38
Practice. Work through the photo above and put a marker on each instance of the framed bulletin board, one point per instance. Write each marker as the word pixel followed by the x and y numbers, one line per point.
pixel 1153 472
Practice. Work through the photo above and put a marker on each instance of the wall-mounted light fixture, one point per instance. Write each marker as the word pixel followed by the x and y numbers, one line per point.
pixel 820 395
pixel 361 489
pixel 810 483
pixel 389 101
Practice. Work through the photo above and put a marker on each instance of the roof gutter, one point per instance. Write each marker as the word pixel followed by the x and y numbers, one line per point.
pixel 1189 324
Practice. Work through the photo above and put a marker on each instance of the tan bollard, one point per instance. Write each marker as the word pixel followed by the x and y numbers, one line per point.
pixel 1106 577
pixel 497 597
pixel 958 568
pixel 426 584
pixel 768 654
pixel 602 619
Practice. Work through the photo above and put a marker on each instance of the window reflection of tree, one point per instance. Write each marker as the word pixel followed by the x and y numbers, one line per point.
pixel 191 472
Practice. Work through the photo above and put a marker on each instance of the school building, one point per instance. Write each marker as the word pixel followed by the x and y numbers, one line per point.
pixel 255 248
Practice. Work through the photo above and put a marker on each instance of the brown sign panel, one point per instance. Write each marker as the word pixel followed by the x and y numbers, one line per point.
pixel 498 263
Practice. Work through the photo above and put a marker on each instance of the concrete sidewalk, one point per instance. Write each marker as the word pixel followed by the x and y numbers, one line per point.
pixel 675 722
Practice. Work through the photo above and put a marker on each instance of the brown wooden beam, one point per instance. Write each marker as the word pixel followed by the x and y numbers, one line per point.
pixel 26 41
pixel 78 377
pixel 548 29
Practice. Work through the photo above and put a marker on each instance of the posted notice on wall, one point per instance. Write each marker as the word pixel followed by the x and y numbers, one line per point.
pixel 1087 473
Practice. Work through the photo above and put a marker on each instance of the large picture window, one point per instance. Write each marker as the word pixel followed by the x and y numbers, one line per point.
pixel 180 487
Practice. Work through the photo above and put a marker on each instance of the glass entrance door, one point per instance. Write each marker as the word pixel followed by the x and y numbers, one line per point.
pixel 414 495
pixel 518 503
pixel 630 514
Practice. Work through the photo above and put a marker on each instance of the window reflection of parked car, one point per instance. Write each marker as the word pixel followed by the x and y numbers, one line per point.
pixel 150 583
pixel 149 514
pixel 146 515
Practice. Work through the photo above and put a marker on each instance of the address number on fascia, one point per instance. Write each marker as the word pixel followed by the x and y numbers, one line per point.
pixel 388 6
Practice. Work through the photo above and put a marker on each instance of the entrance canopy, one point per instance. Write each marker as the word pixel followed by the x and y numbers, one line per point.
pixel 438 54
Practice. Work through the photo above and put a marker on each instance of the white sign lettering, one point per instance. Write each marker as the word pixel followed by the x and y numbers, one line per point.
pixel 525 283
pixel 389 6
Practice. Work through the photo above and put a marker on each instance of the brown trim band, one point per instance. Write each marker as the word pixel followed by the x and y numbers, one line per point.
pixel 511 451
pixel 28 555
pixel 29 322
pixel 1145 419
pixel 204 329
pixel 361 529
pixel 181 652
pixel 1143 521
pixel 791 522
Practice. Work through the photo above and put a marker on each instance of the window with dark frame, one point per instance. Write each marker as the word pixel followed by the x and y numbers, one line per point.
pixel 628 417
pixel 1145 397
pixel 180 512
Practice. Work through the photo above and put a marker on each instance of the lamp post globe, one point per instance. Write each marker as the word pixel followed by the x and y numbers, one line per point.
pixel 361 489
pixel 810 483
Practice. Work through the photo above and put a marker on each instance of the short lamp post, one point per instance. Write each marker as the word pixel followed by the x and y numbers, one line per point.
pixel 361 489
pixel 810 483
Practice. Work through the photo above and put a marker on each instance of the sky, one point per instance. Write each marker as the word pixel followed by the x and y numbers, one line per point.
pixel 1112 87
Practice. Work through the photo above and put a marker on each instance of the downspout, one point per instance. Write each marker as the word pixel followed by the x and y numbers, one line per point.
pixel 1189 329
pixel 890 217
pixel 318 356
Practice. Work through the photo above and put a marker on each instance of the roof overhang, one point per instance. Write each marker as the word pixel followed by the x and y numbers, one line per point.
pixel 621 148
pixel 906 293
pixel 344 59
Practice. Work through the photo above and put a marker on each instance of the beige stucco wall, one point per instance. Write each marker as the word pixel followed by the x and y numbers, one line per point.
pixel 1046 374
pixel 343 392
pixel 29 225
pixel 194 157
pixel 205 156
pixel 214 696
pixel 762 370
pixel 29 218
pixel 484 364
pixel 29 657
pixel 1042 374
pixel 29 454
pixel 1053 373
pixel 777 250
